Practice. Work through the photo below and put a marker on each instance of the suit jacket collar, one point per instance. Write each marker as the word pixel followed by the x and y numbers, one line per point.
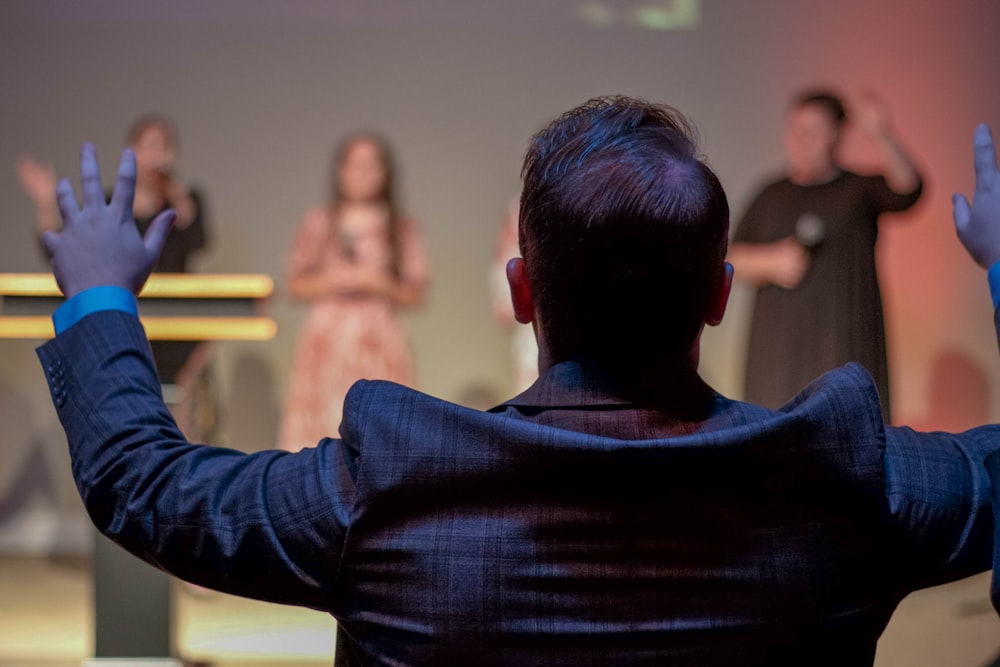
pixel 567 385
pixel 575 385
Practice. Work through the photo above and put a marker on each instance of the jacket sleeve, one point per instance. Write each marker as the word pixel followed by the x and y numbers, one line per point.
pixel 269 525
pixel 993 466
pixel 940 497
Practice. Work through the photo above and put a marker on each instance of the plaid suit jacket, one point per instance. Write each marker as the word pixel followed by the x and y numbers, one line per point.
pixel 568 526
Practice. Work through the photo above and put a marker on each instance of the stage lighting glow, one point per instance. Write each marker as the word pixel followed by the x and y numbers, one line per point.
pixel 646 14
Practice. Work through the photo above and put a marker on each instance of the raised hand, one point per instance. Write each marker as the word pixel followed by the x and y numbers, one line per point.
pixel 38 180
pixel 870 115
pixel 100 244
pixel 978 225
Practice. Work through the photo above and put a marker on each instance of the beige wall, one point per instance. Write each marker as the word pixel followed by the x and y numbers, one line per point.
pixel 262 90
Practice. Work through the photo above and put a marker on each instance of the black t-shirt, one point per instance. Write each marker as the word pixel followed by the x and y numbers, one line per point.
pixel 835 314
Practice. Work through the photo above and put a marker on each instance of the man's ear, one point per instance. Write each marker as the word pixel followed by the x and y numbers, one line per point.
pixel 520 291
pixel 717 308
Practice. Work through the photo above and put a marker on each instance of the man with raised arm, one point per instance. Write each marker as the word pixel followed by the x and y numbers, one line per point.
pixel 619 511
pixel 978 227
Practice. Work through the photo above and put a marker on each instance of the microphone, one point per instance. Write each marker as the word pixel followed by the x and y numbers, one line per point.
pixel 810 230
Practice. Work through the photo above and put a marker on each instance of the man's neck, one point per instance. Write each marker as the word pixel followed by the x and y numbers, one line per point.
pixel 671 386
pixel 671 383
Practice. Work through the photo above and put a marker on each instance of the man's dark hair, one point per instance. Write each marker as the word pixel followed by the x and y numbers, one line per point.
pixel 824 99
pixel 623 228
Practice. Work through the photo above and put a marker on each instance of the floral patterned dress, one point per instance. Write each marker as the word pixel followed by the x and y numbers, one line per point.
pixel 345 337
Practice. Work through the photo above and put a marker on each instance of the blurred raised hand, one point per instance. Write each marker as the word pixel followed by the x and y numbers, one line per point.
pixel 38 180
pixel 870 115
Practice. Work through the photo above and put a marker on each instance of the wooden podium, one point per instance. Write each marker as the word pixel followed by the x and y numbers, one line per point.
pixel 132 601
pixel 172 306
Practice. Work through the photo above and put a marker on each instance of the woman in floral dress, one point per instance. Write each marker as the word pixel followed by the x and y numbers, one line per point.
pixel 358 262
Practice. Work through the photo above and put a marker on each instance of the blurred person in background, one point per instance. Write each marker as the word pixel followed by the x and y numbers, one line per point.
pixel 807 243
pixel 358 261
pixel 183 366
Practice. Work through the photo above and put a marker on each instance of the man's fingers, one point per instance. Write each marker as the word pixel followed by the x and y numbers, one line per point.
pixel 157 232
pixel 68 208
pixel 50 240
pixel 90 177
pixel 960 213
pixel 124 193
pixel 985 158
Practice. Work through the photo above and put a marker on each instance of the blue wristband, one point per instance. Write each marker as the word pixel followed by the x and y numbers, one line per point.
pixel 993 275
pixel 93 300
